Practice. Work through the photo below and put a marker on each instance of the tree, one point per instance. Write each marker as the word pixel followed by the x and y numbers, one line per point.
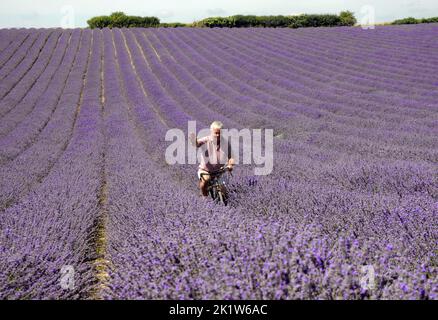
pixel 347 18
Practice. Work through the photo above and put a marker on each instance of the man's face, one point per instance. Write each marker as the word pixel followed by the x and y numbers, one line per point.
pixel 216 133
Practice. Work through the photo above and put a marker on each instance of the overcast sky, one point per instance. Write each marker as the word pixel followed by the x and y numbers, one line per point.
pixel 74 13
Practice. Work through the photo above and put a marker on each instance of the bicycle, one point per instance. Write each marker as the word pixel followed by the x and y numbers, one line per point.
pixel 217 188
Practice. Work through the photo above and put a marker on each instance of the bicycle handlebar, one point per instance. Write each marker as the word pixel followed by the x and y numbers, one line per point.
pixel 217 172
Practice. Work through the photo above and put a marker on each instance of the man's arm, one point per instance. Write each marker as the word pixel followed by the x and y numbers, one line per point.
pixel 197 142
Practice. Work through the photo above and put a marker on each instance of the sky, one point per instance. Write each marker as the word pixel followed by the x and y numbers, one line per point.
pixel 75 13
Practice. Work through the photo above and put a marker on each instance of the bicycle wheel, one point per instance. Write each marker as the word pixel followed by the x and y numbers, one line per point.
pixel 212 192
pixel 223 198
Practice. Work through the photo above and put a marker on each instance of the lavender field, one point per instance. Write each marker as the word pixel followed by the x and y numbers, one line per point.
pixel 84 182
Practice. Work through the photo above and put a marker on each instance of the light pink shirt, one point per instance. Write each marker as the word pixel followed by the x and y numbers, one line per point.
pixel 213 157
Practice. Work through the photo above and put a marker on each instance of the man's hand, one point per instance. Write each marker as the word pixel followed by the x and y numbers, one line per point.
pixel 230 164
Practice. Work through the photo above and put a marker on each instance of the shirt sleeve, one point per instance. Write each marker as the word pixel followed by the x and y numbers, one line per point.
pixel 203 140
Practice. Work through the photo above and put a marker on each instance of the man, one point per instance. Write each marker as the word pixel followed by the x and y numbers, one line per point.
pixel 214 156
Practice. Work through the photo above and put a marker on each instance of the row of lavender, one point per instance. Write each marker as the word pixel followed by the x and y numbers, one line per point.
pixel 354 182
pixel 53 225
pixel 309 243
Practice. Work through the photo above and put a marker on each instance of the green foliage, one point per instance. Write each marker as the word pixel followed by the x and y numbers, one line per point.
pixel 412 20
pixel 241 21
pixel 99 22
pixel 318 20
pixel 429 20
pixel 173 25
pixel 120 20
pixel 409 20
pixel 347 18
pixel 214 22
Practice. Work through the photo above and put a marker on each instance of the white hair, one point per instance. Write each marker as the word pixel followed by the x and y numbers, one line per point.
pixel 216 125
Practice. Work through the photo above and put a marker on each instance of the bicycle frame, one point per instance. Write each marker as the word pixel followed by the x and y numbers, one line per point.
pixel 217 186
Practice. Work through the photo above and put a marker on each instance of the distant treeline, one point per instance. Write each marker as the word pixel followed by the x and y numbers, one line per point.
pixel 412 20
pixel 345 18
pixel 120 20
